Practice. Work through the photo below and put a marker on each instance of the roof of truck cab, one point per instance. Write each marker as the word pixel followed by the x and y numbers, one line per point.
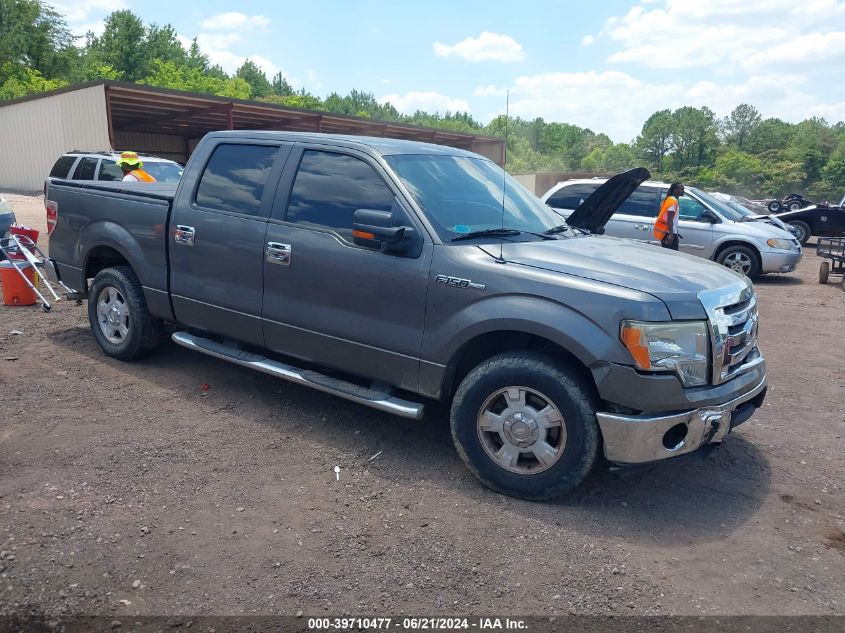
pixel 383 145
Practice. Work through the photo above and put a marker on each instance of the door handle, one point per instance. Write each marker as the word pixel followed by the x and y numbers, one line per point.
pixel 184 235
pixel 641 227
pixel 278 253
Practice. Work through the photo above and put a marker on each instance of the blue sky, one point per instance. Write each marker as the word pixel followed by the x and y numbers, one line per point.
pixel 603 65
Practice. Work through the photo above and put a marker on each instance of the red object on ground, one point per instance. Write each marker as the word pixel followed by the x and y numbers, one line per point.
pixel 15 290
pixel 22 231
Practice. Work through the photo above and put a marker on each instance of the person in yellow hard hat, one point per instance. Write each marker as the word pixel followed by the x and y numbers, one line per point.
pixel 133 168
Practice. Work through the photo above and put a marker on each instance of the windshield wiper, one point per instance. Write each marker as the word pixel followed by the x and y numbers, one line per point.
pixel 560 228
pixel 487 233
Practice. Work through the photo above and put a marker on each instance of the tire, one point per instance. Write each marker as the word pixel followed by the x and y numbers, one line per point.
pixel 824 272
pixel 742 259
pixel 119 317
pixel 804 228
pixel 497 405
pixel 774 206
pixel 794 206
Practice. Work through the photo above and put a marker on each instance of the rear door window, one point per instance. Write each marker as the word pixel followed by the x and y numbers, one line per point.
pixel 109 171
pixel 571 196
pixel 62 167
pixel 235 177
pixel 643 203
pixel 85 169
pixel 330 187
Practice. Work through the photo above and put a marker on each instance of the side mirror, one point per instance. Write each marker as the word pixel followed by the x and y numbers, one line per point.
pixel 709 216
pixel 377 229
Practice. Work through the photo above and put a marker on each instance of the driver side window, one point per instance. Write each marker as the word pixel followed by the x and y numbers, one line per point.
pixel 691 209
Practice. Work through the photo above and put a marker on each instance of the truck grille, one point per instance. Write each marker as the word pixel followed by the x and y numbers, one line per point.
pixel 732 314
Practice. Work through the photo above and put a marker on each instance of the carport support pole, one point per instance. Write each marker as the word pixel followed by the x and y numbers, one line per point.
pixel 230 117
pixel 108 118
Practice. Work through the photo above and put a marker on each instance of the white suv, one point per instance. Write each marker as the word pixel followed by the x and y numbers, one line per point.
pixel 102 166
pixel 709 227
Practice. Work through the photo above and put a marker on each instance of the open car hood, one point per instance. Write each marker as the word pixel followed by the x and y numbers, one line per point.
pixel 595 211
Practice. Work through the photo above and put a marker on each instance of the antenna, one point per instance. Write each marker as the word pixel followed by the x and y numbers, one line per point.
pixel 504 173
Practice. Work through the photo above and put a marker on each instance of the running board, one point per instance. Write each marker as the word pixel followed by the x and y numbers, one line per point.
pixel 381 400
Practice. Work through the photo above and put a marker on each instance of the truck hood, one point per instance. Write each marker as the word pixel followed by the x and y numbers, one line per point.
pixel 674 278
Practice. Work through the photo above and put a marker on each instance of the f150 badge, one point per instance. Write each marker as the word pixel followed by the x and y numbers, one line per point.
pixel 457 282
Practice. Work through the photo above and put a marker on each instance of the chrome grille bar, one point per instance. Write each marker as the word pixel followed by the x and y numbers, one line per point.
pixel 732 316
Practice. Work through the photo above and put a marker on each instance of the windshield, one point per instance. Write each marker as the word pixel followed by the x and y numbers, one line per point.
pixel 463 195
pixel 724 209
pixel 164 172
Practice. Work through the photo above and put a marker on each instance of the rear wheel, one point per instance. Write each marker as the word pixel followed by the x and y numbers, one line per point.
pixel 119 317
pixel 774 206
pixel 525 425
pixel 794 206
pixel 804 231
pixel 742 259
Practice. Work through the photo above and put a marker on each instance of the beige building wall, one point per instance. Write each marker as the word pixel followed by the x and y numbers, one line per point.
pixel 34 133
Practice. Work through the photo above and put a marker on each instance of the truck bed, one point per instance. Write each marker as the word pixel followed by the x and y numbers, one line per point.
pixel 157 190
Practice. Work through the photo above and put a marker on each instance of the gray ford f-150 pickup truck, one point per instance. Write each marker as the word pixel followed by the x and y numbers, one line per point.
pixel 391 273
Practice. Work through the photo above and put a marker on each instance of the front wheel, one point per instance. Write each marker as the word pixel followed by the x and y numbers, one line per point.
pixel 742 259
pixel 525 425
pixel 119 317
pixel 774 206
pixel 804 232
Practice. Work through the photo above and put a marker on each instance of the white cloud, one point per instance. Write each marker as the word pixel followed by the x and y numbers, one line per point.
pixel 80 11
pixel 733 34
pixel 587 40
pixel 813 47
pixel 489 91
pixel 429 101
pixel 486 47
pixel 591 99
pixel 221 41
pixel 234 20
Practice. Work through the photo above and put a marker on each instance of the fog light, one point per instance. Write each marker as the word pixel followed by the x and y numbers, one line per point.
pixel 674 438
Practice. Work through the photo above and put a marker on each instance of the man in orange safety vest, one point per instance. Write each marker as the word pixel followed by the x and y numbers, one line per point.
pixel 133 168
pixel 666 227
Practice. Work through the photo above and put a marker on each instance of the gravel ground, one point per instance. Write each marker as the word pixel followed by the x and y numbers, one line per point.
pixel 128 489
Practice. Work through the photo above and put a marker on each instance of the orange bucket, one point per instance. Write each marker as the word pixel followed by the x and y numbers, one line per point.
pixel 15 290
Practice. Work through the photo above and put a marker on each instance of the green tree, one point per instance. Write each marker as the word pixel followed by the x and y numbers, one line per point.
pixel 33 35
pixel 694 137
pixel 739 125
pixel 161 42
pixel 122 45
pixel 255 77
pixel 655 140
pixel 769 134
pixel 170 75
pixel 301 99
pixel 281 86
pixel 22 81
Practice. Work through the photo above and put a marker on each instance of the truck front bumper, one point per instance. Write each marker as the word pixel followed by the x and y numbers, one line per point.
pixel 638 439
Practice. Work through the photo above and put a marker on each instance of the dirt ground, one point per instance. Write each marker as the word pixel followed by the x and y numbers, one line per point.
pixel 125 488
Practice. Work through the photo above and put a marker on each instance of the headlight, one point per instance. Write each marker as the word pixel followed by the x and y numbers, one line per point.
pixel 782 245
pixel 677 347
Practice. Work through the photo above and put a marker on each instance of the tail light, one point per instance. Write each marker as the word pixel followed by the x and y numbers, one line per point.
pixel 52 215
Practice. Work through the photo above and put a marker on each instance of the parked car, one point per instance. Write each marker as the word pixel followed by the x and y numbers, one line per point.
pixel 102 166
pixel 710 228
pixel 391 272
pixel 750 216
pixel 819 221
pixel 7 217
pixel 793 202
